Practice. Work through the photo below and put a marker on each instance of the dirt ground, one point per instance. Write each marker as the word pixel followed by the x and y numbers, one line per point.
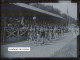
pixel 70 50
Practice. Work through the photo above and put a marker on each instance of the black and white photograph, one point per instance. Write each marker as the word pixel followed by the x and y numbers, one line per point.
pixel 39 30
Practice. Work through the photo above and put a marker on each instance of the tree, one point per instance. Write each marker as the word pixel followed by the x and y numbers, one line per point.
pixel 46 8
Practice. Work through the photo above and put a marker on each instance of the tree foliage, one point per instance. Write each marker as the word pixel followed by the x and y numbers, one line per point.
pixel 46 8
pixel 51 9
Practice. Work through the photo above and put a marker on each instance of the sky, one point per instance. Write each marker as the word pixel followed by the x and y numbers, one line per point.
pixel 72 8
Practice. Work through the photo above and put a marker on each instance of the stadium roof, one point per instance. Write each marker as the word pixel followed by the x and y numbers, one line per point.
pixel 36 9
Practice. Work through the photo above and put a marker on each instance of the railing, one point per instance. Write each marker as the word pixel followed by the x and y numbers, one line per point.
pixel 36 35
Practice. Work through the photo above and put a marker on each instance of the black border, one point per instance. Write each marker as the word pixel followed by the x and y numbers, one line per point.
pixel 78 37
pixel 53 1
pixel 28 1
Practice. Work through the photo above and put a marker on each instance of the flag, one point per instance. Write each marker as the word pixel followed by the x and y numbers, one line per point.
pixel 22 20
pixel 67 10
